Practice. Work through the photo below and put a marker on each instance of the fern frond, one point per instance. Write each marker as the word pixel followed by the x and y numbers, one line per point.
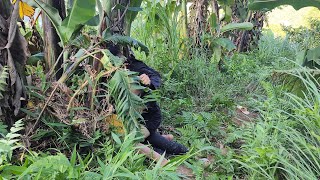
pixel 10 142
pixel 190 132
pixel 13 134
pixel 3 80
pixel 267 86
pixel 127 104
pixel 3 129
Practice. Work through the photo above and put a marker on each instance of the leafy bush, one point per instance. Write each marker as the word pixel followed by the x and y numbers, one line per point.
pixel 307 37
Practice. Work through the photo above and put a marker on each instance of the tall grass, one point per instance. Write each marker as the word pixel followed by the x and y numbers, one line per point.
pixel 270 46
pixel 285 142
pixel 119 160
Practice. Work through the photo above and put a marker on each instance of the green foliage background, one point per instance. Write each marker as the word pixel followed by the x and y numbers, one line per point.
pixel 278 139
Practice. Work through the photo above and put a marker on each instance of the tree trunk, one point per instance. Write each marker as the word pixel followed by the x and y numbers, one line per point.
pixel 199 20
pixel 185 19
pixel 116 22
pixel 52 49
pixel 245 40
pixel 13 54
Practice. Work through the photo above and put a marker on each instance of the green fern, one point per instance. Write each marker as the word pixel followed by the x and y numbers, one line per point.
pixel 10 142
pixel 269 89
pixel 3 77
pixel 127 104
pixel 190 133
pixel 3 129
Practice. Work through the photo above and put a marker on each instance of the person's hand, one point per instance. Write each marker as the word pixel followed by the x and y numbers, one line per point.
pixel 145 79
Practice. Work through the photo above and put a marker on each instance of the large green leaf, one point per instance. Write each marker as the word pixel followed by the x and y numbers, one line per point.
pixel 313 55
pixel 237 26
pixel 225 43
pixel 52 13
pixel 34 59
pixel 81 12
pixel 213 21
pixel 109 60
pixel 126 40
pixel 216 56
pixel 132 13
pixel 228 13
pixel 271 4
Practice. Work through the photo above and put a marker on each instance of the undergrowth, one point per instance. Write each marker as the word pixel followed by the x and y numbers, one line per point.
pixel 256 128
pixel 277 140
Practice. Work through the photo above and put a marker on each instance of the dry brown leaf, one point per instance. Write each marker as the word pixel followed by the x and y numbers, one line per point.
pixel 185 171
pixel 244 110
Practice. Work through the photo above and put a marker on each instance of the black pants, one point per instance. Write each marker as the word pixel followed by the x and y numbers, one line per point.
pixel 152 116
pixel 153 120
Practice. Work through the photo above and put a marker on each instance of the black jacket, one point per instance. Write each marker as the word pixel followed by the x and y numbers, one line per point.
pixel 140 67
pixel 152 115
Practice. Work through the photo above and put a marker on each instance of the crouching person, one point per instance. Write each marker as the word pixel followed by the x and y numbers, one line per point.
pixel 152 114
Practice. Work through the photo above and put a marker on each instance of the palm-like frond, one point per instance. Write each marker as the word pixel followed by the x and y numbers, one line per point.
pixel 127 104
pixel 126 40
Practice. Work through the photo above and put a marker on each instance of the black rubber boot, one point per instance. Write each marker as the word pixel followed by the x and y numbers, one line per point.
pixel 171 147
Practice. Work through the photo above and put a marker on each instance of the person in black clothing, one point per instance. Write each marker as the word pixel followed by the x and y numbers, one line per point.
pixel 152 115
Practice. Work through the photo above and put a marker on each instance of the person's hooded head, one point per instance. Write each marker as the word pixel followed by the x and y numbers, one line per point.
pixel 115 50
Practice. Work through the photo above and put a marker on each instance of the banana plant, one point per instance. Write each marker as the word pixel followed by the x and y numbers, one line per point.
pixel 120 15
pixel 220 26
pixel 81 12
pixel 309 58
pixel 226 5
pixel 219 42
pixel 14 53
pixel 113 22
pixel 218 39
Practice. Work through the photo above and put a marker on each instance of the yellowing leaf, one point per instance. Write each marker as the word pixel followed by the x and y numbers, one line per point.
pixel 115 123
pixel 30 104
pixel 24 9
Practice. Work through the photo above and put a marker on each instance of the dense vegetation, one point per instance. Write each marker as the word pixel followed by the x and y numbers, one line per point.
pixel 245 102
